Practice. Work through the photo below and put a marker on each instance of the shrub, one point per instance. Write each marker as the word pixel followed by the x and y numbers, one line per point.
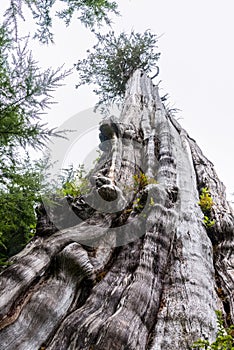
pixel 223 341
pixel 206 203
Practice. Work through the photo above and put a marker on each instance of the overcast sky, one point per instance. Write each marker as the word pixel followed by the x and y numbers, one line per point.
pixel 196 68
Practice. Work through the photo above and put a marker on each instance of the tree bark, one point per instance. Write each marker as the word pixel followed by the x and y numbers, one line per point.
pixel 138 269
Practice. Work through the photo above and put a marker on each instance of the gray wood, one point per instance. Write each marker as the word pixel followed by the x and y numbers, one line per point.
pixel 129 277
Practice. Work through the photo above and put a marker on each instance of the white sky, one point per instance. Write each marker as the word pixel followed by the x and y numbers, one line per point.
pixel 196 68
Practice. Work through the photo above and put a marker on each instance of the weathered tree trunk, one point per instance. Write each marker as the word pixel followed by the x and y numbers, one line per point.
pixel 139 270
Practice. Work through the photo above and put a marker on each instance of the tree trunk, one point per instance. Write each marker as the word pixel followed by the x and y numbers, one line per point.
pixel 139 269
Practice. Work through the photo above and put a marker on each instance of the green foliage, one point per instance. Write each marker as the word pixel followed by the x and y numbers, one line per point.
pixel 206 203
pixel 208 222
pixel 73 182
pixel 19 192
pixel 137 204
pixel 141 181
pixel 24 93
pixel 89 12
pixel 224 339
pixel 113 60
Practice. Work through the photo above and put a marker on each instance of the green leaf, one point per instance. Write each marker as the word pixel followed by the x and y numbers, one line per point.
pixel 112 62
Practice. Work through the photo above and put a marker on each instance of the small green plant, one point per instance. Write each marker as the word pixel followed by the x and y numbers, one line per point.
pixel 206 203
pixel 208 222
pixel 73 182
pixel 137 204
pixel 223 341
pixel 141 181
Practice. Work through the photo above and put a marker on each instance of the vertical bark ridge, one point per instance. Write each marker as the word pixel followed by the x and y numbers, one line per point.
pixel 221 234
pixel 157 291
pixel 188 300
